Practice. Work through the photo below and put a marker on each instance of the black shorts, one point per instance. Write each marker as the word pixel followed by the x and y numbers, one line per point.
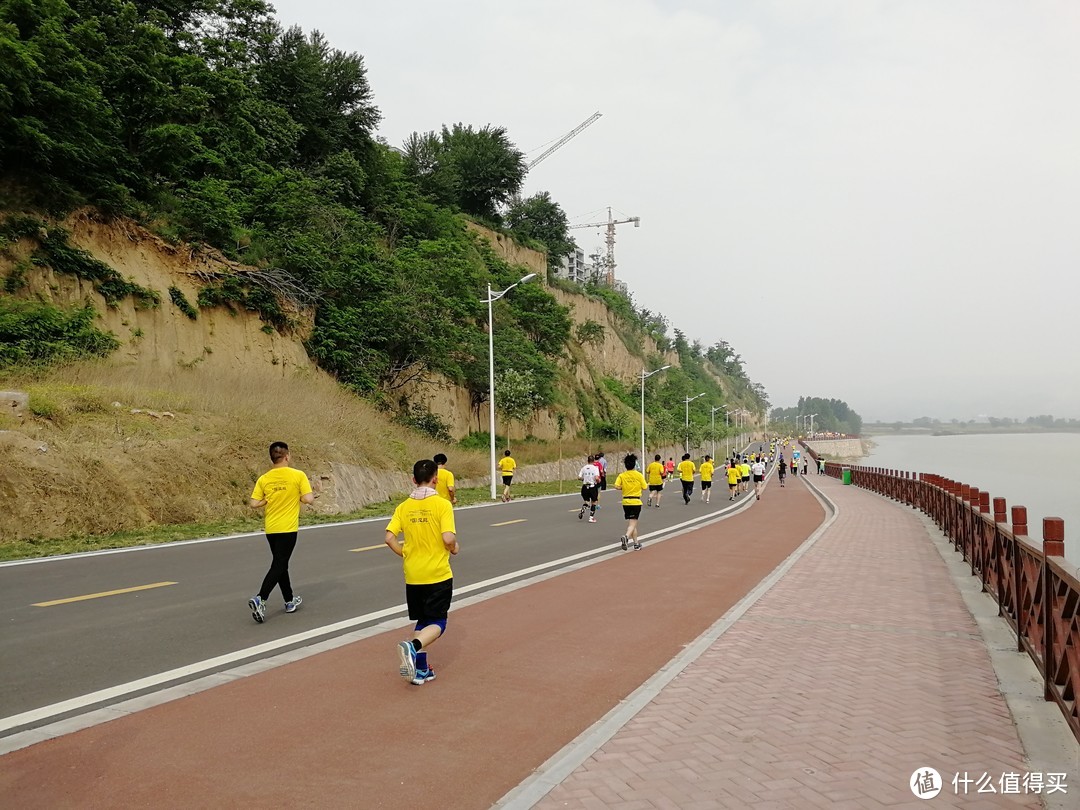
pixel 656 487
pixel 429 602
pixel 733 484
pixel 631 511
pixel 706 484
pixel 746 479
pixel 589 493
pixel 758 479
pixel 507 479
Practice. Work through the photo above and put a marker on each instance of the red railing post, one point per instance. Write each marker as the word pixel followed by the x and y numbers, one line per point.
pixel 1053 546
pixel 1019 529
pixel 1000 554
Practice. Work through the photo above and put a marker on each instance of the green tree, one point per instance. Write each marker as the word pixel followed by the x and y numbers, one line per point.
pixel 478 171
pixel 515 396
pixel 541 218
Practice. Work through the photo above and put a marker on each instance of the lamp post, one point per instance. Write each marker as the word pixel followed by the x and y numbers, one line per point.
pixel 688 400
pixel 727 429
pixel 712 416
pixel 811 424
pixel 644 376
pixel 492 297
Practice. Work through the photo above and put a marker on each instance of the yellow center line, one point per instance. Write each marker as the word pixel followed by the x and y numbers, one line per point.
pixel 508 522
pixel 369 548
pixel 103 593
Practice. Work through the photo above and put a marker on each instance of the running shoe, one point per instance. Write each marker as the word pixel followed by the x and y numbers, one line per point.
pixel 592 518
pixel 581 512
pixel 625 542
pixel 258 608
pixel 293 604
pixel 637 546
pixel 422 676
pixel 407 656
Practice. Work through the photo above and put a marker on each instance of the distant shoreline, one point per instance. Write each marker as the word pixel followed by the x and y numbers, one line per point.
pixel 953 430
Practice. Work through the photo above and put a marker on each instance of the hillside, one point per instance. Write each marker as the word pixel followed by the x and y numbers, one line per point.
pixel 206 245
pixel 171 426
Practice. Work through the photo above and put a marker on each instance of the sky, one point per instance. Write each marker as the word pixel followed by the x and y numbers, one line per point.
pixel 871 200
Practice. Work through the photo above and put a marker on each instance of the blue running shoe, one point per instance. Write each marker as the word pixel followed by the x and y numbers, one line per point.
pixel 258 608
pixel 293 604
pixel 408 660
pixel 423 676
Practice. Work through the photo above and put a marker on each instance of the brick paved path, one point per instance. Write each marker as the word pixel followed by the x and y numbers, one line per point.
pixel 858 667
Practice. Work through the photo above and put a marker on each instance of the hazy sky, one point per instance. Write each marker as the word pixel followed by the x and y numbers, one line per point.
pixel 874 200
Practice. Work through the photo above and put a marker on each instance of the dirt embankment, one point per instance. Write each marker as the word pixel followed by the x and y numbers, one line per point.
pixel 173 427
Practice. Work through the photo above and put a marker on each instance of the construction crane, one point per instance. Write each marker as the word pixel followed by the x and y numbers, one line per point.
pixel 562 141
pixel 609 258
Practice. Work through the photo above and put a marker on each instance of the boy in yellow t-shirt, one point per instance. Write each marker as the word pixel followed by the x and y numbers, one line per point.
pixel 444 484
pixel 686 476
pixel 733 478
pixel 281 490
pixel 632 483
pixel 507 465
pixel 655 475
pixel 744 476
pixel 427 521
pixel 707 468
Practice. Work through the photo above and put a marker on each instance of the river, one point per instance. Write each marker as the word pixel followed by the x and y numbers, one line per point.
pixel 1038 470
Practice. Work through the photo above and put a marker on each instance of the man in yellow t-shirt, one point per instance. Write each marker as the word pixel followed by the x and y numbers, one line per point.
pixel 744 475
pixel 280 490
pixel 733 478
pixel 427 521
pixel 632 483
pixel 707 468
pixel 655 475
pixel 444 484
pixel 686 476
pixel 507 465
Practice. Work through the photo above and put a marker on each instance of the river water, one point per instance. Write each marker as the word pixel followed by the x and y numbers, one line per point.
pixel 1038 470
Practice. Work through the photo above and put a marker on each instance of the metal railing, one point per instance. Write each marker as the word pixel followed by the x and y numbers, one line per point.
pixel 1036 592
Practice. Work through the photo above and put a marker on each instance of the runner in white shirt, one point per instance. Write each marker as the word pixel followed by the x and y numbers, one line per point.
pixel 590 488
pixel 757 469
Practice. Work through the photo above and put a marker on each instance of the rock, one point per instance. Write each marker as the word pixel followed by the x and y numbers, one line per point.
pixel 15 403
pixel 136 410
pixel 168 414
pixel 117 405
pixel 43 448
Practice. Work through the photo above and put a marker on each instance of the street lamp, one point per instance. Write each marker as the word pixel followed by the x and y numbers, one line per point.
pixel 811 424
pixel 727 429
pixel 492 297
pixel 644 376
pixel 713 417
pixel 688 400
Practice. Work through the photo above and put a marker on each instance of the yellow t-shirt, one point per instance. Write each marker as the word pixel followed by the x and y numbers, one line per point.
pixel 707 471
pixel 281 487
pixel 733 475
pixel 444 483
pixel 631 483
pixel 744 470
pixel 656 473
pixel 686 470
pixel 507 465
pixel 423 522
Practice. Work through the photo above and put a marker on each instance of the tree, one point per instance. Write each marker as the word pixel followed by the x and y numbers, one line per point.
pixel 590 332
pixel 541 218
pixel 515 396
pixel 478 171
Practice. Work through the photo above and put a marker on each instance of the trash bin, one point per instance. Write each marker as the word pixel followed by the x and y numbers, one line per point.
pixel 847 475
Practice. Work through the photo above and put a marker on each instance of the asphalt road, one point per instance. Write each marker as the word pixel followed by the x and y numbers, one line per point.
pixel 62 651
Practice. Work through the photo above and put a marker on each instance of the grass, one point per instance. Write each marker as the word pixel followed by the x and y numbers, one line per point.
pixel 155 535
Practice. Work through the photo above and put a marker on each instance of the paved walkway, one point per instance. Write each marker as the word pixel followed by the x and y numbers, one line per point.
pixel 858 668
